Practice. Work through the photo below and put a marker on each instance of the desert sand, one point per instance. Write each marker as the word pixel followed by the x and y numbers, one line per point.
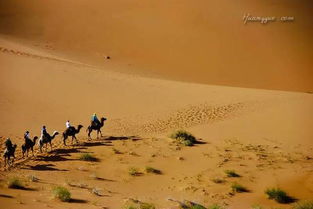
pixel 251 112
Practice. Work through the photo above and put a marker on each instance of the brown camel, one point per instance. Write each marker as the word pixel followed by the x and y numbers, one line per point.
pixel 97 127
pixel 29 145
pixel 47 140
pixel 8 153
pixel 71 131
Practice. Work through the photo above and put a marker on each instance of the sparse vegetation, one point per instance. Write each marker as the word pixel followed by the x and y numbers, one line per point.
pixel 218 181
pixel 215 206
pixel 231 173
pixel 33 178
pixel 136 204
pixel 61 193
pixel 257 207
pixel 87 157
pixel 307 204
pixel 238 188
pixel 191 205
pixel 15 183
pixel 149 169
pixel 184 137
pixel 278 195
pixel 116 151
pixel 133 171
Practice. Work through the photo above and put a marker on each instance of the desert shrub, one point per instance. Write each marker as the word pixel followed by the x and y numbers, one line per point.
pixel 61 193
pixel 218 180
pixel 87 157
pixel 197 207
pixel 15 183
pixel 257 207
pixel 184 137
pixel 116 151
pixel 191 205
pixel 215 206
pixel 149 169
pixel 33 178
pixel 133 171
pixel 307 204
pixel 136 204
pixel 231 173
pixel 278 195
pixel 238 188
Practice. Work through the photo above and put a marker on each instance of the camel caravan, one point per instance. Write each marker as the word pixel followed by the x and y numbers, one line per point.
pixel 46 139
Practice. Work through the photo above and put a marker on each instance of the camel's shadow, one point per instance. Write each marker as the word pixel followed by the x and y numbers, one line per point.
pixel 94 144
pixel 44 167
pixel 53 158
pixel 115 138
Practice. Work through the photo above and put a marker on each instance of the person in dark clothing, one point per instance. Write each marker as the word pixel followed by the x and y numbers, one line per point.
pixel 44 132
pixel 26 136
pixel 94 120
pixel 8 144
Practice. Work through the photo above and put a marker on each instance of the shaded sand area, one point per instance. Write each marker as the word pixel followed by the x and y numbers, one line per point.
pixel 264 136
pixel 202 42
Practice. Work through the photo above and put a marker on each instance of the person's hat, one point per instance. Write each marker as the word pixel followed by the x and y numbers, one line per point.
pixel 27 131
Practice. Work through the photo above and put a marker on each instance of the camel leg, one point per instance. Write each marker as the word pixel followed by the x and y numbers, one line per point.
pixel 100 133
pixel 64 140
pixel 89 132
pixel 97 134
pixel 74 137
pixel 50 145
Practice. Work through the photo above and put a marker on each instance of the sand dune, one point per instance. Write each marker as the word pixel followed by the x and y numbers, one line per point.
pixel 203 42
pixel 256 132
pixel 55 67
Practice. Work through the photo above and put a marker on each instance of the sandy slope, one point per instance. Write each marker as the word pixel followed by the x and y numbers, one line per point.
pixel 264 135
pixel 204 41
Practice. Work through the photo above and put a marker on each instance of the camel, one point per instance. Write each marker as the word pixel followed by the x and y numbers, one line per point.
pixel 71 131
pixel 47 140
pixel 8 153
pixel 29 145
pixel 96 127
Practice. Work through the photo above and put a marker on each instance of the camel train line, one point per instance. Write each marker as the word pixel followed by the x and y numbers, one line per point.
pixel 46 138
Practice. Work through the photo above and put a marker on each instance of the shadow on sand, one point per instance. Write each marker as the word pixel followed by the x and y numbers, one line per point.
pixel 94 144
pixel 44 167
pixel 78 201
pixel 114 138
pixel 6 196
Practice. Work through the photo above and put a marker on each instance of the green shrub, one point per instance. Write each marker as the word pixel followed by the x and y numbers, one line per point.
pixel 197 207
pixel 87 157
pixel 192 205
pixel 238 188
pixel 231 173
pixel 215 206
pixel 15 183
pixel 133 171
pixel 307 204
pixel 61 193
pixel 278 195
pixel 184 137
pixel 152 170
